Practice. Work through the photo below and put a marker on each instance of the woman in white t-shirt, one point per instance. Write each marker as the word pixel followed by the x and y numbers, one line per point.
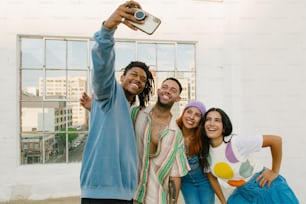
pixel 230 159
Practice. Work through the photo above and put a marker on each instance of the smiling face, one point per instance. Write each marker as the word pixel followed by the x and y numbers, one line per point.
pixel 191 118
pixel 214 127
pixel 168 93
pixel 133 82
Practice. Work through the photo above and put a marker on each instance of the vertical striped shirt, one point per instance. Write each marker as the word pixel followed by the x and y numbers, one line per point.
pixel 169 160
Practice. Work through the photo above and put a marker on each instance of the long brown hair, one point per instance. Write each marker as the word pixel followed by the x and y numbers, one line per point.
pixel 196 145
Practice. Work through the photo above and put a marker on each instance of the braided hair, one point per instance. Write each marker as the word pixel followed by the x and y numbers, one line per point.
pixel 144 96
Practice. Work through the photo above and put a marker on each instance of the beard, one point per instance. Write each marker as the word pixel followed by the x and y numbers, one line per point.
pixel 164 105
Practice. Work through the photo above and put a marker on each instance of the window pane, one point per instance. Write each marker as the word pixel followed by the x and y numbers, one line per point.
pixel 58 153
pixel 161 76
pixel 125 53
pixel 57 119
pixel 77 84
pixel 30 82
pixel 55 85
pixel 50 148
pixel 77 146
pixel 79 115
pixel 31 129
pixel 56 116
pixel 187 82
pixel 185 57
pixel 147 54
pixel 165 57
pixel 55 54
pixel 31 55
pixel 31 113
pixel 31 148
pixel 77 54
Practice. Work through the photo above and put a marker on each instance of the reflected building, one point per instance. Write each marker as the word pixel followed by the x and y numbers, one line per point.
pixel 40 124
pixel 71 90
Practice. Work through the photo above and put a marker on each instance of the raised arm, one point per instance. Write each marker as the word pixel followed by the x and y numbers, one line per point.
pixel 103 52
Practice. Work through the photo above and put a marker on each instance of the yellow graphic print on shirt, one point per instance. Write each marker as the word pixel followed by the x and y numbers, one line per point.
pixel 224 169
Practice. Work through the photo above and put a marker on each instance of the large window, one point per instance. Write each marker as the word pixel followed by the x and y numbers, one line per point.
pixel 55 71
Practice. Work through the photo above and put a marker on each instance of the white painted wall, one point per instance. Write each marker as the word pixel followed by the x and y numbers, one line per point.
pixel 250 62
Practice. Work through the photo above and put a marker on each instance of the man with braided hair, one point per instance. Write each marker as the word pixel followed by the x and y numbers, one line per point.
pixel 109 164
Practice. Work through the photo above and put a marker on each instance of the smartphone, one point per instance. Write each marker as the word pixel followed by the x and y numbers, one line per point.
pixel 151 22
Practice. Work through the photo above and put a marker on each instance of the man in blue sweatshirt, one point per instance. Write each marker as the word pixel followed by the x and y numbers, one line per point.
pixel 110 161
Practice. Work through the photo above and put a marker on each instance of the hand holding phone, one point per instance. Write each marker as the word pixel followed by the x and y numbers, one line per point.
pixel 150 24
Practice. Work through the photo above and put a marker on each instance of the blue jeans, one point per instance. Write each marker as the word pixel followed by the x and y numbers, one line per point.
pixel 251 192
pixel 195 186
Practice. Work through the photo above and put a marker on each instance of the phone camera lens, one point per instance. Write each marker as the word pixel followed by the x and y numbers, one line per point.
pixel 140 15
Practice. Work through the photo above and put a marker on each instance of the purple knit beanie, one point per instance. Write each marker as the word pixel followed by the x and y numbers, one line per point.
pixel 198 105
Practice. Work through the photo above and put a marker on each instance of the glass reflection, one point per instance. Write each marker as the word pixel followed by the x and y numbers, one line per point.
pixel 55 54
pixel 30 82
pixel 185 57
pixel 165 57
pixel 32 50
pixel 77 54
pixel 125 53
pixel 54 86
pixel 146 53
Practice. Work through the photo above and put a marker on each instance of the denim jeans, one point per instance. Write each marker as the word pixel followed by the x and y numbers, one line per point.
pixel 195 186
pixel 278 192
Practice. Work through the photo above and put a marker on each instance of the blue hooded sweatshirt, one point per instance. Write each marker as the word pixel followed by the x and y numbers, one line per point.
pixel 109 163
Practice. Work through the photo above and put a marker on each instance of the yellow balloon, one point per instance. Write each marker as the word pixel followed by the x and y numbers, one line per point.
pixel 223 170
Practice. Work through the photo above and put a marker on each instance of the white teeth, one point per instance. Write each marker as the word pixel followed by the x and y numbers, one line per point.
pixel 135 85
pixel 189 122
pixel 165 97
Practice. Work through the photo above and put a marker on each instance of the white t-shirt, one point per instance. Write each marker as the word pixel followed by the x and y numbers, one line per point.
pixel 233 162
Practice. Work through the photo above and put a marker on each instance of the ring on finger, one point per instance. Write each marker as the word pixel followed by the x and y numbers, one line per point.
pixel 122 19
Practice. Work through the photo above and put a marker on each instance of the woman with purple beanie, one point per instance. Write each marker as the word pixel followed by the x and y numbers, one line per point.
pixel 195 185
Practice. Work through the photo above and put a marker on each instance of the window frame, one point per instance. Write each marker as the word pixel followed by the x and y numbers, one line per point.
pixel 159 76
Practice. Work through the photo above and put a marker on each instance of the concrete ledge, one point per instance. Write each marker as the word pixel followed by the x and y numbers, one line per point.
pixel 66 200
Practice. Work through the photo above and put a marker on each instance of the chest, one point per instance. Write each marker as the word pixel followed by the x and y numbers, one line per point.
pixel 157 130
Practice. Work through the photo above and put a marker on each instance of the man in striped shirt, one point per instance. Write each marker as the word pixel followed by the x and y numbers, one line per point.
pixel 162 161
pixel 160 147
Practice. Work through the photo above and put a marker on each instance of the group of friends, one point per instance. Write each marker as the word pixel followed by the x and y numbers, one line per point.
pixel 139 153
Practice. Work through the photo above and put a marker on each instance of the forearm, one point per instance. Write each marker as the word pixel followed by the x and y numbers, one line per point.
pixel 276 152
pixel 174 189
pixel 216 187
